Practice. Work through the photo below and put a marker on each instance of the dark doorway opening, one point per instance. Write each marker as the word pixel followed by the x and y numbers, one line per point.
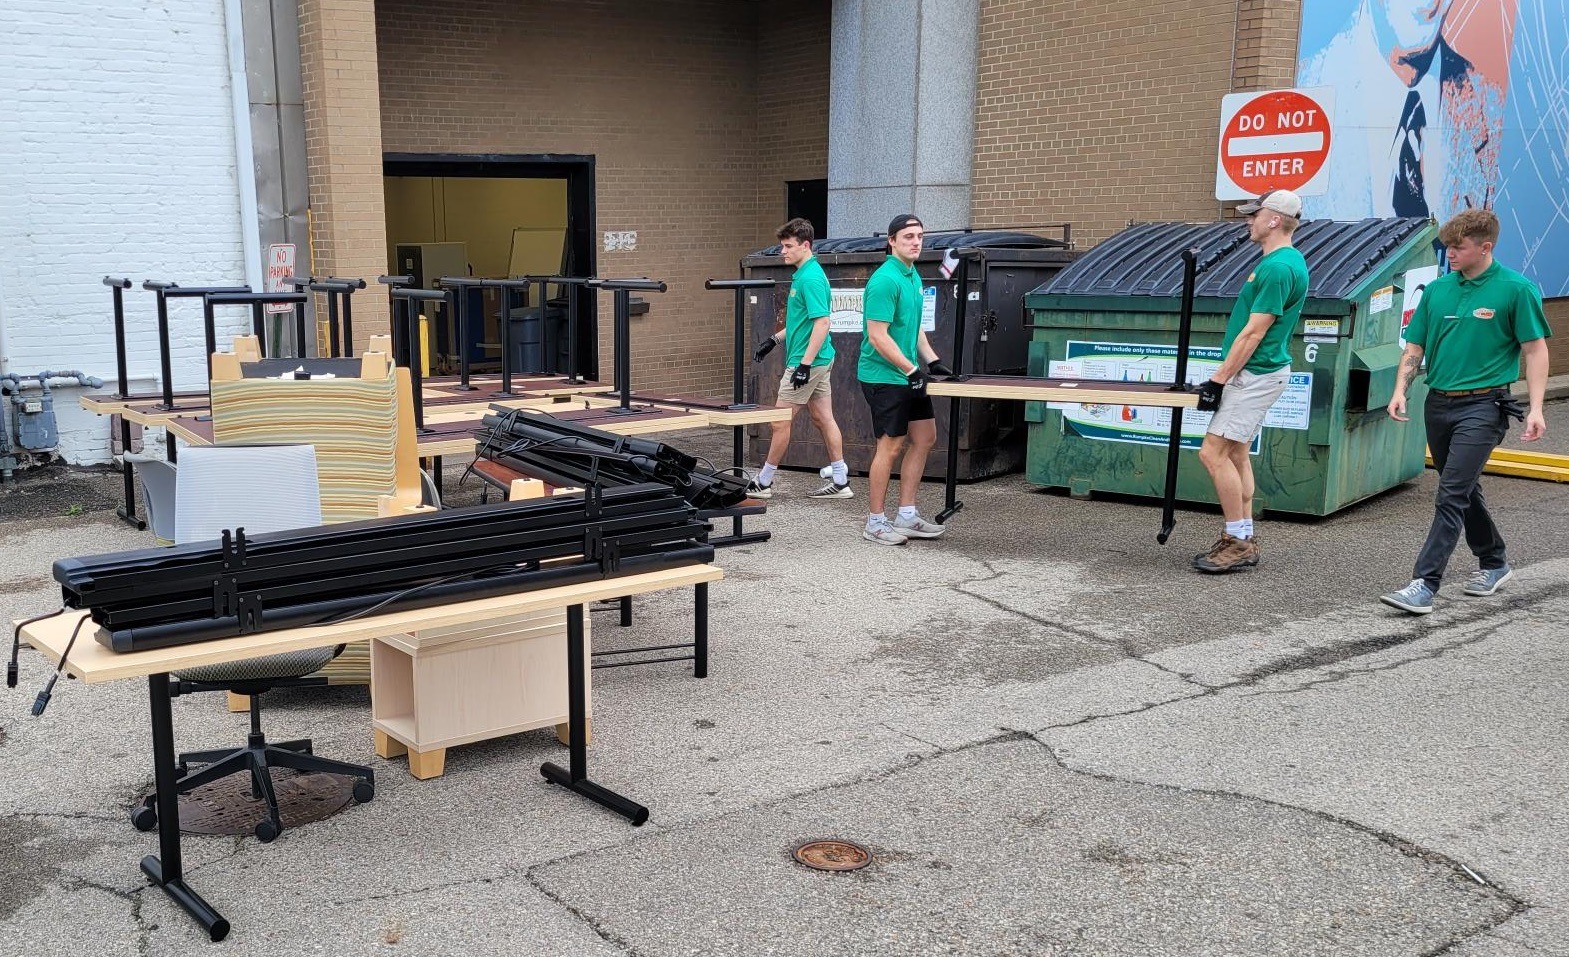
pixel 808 199
pixel 529 247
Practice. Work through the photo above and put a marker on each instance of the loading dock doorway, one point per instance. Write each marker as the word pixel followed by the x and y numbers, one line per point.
pixel 500 217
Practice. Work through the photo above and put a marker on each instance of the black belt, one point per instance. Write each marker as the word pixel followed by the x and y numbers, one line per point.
pixel 1455 392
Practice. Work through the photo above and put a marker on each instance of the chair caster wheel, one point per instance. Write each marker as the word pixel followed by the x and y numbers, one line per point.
pixel 267 831
pixel 364 791
pixel 144 818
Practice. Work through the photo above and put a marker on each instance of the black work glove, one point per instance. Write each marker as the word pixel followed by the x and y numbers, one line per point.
pixel 936 367
pixel 917 377
pixel 799 375
pixel 1511 407
pixel 764 348
pixel 1209 395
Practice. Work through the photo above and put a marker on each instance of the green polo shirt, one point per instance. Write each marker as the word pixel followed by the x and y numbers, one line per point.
pixel 1278 285
pixel 1470 329
pixel 809 301
pixel 893 295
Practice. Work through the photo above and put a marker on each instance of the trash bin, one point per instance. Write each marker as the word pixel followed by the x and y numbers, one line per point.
pixel 538 347
pixel 1010 264
pixel 1326 444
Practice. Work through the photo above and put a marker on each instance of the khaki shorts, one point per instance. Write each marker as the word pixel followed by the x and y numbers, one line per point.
pixel 1244 403
pixel 818 384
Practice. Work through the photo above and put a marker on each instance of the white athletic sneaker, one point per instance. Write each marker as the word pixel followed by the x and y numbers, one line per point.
pixel 918 527
pixel 883 534
pixel 833 490
pixel 754 490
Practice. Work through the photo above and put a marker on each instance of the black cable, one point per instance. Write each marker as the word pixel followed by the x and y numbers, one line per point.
pixel 393 599
pixel 42 701
pixel 12 670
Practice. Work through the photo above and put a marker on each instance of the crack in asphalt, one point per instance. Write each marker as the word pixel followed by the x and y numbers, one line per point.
pixel 1410 849
pixel 1081 634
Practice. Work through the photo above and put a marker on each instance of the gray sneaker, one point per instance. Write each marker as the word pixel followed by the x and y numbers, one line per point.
pixel 1416 598
pixel 1487 581
pixel 754 490
pixel 833 490
pixel 918 527
pixel 883 534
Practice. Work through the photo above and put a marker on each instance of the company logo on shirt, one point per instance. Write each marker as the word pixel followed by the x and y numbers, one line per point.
pixel 792 294
pixel 1250 276
pixel 1484 313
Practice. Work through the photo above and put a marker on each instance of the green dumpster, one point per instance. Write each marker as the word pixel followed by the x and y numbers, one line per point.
pixel 1327 443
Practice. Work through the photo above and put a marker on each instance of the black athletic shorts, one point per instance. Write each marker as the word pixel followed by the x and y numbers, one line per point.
pixel 894 407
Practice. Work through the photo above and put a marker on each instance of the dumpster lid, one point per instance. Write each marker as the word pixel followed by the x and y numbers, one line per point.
pixel 983 239
pixel 1146 258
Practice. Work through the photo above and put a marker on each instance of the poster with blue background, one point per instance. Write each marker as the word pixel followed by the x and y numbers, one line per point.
pixel 1442 105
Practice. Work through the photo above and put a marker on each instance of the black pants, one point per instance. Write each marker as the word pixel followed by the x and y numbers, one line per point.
pixel 1462 432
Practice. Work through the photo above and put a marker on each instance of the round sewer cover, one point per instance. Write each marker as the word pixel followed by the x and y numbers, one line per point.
pixel 226 807
pixel 833 855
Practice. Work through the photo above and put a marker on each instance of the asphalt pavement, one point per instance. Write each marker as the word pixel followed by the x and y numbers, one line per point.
pixel 1054 737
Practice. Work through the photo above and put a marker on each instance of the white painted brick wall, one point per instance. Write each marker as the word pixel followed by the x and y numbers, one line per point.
pixel 117 158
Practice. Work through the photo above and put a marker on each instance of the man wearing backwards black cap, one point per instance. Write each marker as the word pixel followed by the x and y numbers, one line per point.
pixel 1255 366
pixel 895 360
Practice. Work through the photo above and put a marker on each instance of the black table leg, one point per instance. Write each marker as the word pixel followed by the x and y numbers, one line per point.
pixel 577 717
pixel 1168 504
pixel 700 630
pixel 165 868
pixel 951 504
pixel 127 512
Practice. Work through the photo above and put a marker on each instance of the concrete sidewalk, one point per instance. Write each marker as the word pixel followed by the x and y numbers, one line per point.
pixel 1056 739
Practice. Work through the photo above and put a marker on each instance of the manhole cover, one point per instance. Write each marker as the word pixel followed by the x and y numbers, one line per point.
pixel 226 807
pixel 833 855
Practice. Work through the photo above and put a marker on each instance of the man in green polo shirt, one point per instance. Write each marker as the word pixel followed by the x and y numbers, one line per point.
pixel 1473 325
pixel 1255 366
pixel 808 368
pixel 895 361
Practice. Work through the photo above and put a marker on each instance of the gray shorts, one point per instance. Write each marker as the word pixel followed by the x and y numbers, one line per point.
pixel 818 385
pixel 1244 403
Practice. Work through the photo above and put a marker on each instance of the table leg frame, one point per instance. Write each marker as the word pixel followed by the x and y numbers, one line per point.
pixel 165 868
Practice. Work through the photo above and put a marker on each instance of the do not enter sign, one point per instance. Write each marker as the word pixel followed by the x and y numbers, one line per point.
pixel 1279 139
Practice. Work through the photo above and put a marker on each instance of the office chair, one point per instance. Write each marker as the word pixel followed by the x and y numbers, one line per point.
pixel 260 489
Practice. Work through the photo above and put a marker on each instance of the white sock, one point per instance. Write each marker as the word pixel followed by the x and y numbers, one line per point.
pixel 908 512
pixel 841 472
pixel 1238 529
pixel 875 519
pixel 766 476
pixel 1247 530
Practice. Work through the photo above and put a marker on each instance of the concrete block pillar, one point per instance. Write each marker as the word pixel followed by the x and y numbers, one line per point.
pixel 343 151
pixel 901 113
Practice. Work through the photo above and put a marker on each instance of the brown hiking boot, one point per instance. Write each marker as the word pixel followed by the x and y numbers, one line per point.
pixel 1212 551
pixel 1230 555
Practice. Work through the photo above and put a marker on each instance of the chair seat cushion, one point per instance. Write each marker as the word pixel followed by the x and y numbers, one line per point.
pixel 293 664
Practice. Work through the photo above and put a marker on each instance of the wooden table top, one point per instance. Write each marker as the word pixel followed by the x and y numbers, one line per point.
pixel 1030 389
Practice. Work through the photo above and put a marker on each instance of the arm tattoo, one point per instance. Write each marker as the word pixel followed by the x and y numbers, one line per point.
pixel 1410 367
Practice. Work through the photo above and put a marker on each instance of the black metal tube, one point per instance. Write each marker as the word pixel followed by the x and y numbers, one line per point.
pixel 332 325
pixel 1168 505
pixel 127 511
pixel 348 319
pixel 167 800
pixel 506 335
pixel 700 630
pixel 623 324
pixel 165 367
pixel 300 332
pixel 572 309
pixel 258 328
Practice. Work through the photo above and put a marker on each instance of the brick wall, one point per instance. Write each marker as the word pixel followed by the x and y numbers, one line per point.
pixel 665 96
pixel 89 187
pixel 338 75
pixel 792 104
pixel 1099 113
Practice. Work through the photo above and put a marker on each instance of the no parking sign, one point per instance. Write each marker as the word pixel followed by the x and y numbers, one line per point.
pixel 1278 139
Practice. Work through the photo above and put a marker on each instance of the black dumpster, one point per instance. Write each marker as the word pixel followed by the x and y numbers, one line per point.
pixel 1005 266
